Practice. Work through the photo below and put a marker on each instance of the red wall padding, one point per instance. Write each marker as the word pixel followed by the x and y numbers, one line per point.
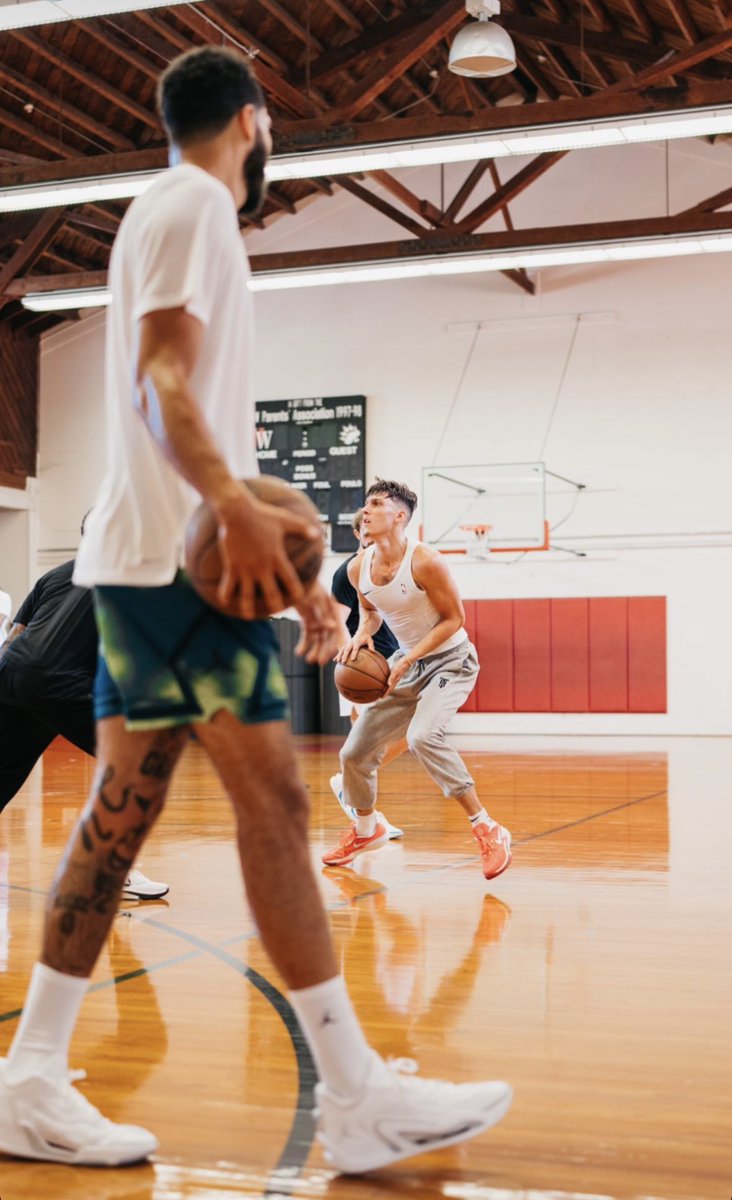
pixel 604 654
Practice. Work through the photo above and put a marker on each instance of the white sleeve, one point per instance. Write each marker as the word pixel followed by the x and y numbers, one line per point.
pixel 178 251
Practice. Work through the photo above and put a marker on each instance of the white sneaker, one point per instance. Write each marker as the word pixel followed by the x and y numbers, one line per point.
pixel 336 783
pixel 395 1117
pixel 139 887
pixel 49 1120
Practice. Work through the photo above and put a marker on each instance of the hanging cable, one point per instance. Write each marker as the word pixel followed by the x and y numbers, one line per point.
pixel 560 386
pixel 456 397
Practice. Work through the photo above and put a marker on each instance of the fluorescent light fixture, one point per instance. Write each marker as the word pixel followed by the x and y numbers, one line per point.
pixel 474 147
pixel 43 12
pixel 70 299
pixel 393 157
pixel 75 191
pixel 467 264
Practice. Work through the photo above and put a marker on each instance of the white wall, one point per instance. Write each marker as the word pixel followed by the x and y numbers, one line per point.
pixel 643 418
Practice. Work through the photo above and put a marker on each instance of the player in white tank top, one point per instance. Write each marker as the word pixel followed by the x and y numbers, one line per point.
pixel 407 584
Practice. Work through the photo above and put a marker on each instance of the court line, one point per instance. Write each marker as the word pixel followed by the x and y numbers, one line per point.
pixel 300 1138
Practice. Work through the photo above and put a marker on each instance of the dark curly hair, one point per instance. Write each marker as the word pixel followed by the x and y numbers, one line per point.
pixel 201 90
pixel 395 491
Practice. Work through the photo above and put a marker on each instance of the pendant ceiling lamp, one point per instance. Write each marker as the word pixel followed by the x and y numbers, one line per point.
pixel 482 49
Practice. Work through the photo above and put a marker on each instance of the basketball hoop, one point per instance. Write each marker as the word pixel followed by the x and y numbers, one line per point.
pixel 476 541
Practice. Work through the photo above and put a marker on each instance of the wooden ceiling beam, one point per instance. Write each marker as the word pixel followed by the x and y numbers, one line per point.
pixel 163 30
pixel 406 52
pixel 240 35
pixel 520 276
pixel 423 208
pixel 53 105
pixel 359 51
pixel 563 70
pixel 82 74
pixel 712 203
pixel 508 191
pixel 343 11
pixel 639 14
pixel 466 190
pixel 441 242
pixel 275 85
pixel 32 246
pixel 633 100
pixel 51 283
pixel 433 242
pixel 570 33
pixel 100 31
pixel 15 226
pixel 381 205
pixel 528 64
pixel 672 64
pixel 34 135
pixel 90 217
pixel 684 20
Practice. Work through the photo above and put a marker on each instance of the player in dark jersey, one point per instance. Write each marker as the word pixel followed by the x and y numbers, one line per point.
pixel 384 641
pixel 47 668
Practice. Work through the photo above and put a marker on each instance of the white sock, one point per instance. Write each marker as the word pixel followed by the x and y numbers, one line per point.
pixel 366 826
pixel 41 1042
pixel 341 1052
pixel 481 818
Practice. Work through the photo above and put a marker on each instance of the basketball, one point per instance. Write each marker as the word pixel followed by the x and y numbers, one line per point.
pixel 203 559
pixel 364 678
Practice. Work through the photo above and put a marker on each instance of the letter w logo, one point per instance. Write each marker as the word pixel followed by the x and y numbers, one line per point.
pixel 264 438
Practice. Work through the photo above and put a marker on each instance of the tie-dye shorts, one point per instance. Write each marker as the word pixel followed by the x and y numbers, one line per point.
pixel 168 658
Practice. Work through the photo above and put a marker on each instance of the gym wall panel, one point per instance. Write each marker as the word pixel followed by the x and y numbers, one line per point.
pixel 494 643
pixel 532 669
pixel 647 654
pixel 569 655
pixel 609 654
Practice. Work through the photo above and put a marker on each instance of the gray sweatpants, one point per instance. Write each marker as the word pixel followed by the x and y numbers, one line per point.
pixel 421 706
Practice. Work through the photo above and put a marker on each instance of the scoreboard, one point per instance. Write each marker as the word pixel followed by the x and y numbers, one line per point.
pixel 319 446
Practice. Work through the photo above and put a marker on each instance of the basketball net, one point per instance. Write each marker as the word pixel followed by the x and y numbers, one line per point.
pixel 476 541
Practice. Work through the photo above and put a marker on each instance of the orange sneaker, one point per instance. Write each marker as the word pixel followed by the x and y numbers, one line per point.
pixel 351 845
pixel 495 848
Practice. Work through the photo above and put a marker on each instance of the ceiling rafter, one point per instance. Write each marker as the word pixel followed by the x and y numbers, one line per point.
pixel 31 248
pixel 712 203
pixel 684 20
pixel 406 52
pixel 423 208
pixel 466 190
pixel 436 242
pixel 56 105
pixel 388 210
pixel 570 33
pixel 82 75
pixel 669 65
pixel 523 278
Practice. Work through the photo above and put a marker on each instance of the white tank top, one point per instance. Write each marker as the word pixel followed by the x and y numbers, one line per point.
pixel 405 607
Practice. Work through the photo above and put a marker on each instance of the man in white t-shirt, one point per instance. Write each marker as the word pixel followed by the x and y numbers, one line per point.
pixel 181 425
pixel 407 584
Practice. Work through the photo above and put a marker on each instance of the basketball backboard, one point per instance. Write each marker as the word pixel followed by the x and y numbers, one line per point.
pixel 507 497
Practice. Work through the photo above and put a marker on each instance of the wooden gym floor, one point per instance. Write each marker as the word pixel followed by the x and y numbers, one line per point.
pixel 595 975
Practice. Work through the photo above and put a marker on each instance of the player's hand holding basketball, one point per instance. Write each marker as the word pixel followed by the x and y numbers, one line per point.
pixel 252 547
pixel 352 647
pixel 398 671
pixel 320 626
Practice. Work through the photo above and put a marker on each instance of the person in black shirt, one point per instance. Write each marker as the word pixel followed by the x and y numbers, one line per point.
pixel 47 668
pixel 384 641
